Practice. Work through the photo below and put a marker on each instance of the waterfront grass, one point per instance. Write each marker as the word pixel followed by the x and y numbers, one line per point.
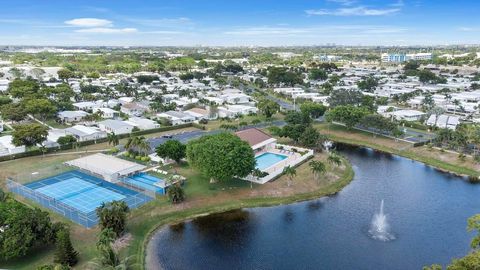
pixel 444 161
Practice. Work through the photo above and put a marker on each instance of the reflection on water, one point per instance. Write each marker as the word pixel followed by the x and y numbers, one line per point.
pixel 427 211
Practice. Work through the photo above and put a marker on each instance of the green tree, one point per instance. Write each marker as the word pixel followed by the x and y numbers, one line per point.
pixel 29 134
pixel 138 143
pixel 317 74
pixel 172 149
pixel 290 172
pixel 221 156
pixel 334 159
pixel 113 139
pixel 368 84
pixel 310 137
pixel 313 109
pixel 175 193
pixel 19 88
pixel 14 112
pixel 348 115
pixel 113 215
pixel 66 140
pixel 65 254
pixel 65 74
pixel 268 107
pixel 317 167
pixel 42 108
pixel 343 97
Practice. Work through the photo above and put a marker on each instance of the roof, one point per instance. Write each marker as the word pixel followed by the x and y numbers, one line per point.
pixel 253 136
pixel 81 130
pixel 198 111
pixel 114 124
pixel 106 165
pixel 72 114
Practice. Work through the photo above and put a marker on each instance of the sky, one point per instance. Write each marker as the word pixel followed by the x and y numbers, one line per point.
pixel 239 23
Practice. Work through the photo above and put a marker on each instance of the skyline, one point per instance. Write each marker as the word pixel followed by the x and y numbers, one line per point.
pixel 214 23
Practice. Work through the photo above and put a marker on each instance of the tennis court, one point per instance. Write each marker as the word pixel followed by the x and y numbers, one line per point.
pixel 77 195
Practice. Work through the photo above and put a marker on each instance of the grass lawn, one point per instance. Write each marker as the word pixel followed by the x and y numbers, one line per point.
pixel 441 160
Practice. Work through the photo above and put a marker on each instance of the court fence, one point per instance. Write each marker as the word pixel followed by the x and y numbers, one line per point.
pixel 87 220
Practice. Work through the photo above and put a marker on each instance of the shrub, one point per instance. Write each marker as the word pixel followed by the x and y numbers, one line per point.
pixel 138 157
pixel 203 121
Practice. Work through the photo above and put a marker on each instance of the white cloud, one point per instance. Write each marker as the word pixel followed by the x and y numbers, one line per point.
pixel 354 11
pixel 105 30
pixel 89 22
pixel 343 2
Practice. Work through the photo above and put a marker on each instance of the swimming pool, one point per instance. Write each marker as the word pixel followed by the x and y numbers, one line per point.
pixel 268 159
pixel 147 182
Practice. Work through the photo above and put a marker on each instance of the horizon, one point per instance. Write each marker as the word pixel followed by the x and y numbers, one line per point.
pixel 187 23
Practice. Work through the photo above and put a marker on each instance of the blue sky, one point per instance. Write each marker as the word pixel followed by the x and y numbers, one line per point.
pixel 247 22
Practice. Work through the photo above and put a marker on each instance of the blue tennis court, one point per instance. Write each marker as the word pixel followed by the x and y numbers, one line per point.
pixel 77 195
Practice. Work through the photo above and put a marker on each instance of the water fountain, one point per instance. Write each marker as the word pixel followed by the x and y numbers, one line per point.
pixel 380 229
pixel 327 145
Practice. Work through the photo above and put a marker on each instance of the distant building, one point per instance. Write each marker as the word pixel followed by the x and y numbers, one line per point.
pixel 402 57
pixel 115 126
pixel 84 133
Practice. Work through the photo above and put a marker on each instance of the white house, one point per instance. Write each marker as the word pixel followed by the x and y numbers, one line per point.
pixel 108 113
pixel 115 126
pixel 407 115
pixel 232 111
pixel 8 148
pixel 53 136
pixel 200 113
pixel 84 133
pixel 142 123
pixel 71 116
pixel 87 105
pixel 443 121
pixel 133 109
pixel 176 118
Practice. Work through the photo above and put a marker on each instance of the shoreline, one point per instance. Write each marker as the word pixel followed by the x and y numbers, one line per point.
pixel 145 249
pixel 435 163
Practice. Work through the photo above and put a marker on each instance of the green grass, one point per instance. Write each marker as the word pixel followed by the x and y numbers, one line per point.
pixel 404 153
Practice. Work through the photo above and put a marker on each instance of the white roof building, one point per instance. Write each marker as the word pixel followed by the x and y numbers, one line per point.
pixel 443 121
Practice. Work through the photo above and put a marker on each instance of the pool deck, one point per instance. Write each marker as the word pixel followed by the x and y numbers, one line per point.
pixel 293 159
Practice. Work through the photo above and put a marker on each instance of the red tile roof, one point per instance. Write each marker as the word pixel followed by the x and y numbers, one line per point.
pixel 253 136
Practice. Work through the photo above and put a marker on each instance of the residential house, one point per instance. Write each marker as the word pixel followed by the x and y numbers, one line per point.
pixel 443 121
pixel 71 116
pixel 142 123
pixel 257 139
pixel 406 115
pixel 232 111
pixel 8 148
pixel 115 126
pixel 133 109
pixel 176 118
pixel 108 113
pixel 84 133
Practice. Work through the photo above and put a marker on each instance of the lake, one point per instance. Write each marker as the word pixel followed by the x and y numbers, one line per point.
pixel 426 209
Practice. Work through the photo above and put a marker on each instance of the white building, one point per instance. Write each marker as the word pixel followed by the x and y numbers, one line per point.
pixel 71 116
pixel 142 123
pixel 232 111
pixel 108 113
pixel 115 126
pixel 8 148
pixel 176 118
pixel 84 133
pixel 443 121
pixel 406 115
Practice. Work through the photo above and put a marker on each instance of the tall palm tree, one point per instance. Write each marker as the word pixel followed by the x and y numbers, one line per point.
pixel 113 139
pixel 290 172
pixel 143 145
pixel 334 159
pixel 317 167
pixel 131 143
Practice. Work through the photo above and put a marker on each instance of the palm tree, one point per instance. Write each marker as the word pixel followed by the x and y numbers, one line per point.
pixel 290 172
pixel 143 145
pixel 457 103
pixel 334 159
pixel 317 168
pixel 113 139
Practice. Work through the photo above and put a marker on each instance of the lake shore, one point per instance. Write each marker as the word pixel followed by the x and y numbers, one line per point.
pixel 142 250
